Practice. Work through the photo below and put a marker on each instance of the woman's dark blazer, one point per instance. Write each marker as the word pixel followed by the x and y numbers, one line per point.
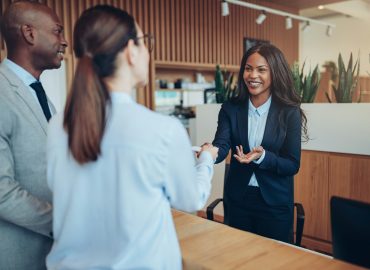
pixel 282 144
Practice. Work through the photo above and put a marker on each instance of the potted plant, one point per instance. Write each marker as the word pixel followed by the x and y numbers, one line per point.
pixel 306 85
pixel 347 80
pixel 225 90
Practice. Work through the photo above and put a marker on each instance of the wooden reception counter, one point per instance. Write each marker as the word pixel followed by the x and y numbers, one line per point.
pixel 210 245
pixel 335 162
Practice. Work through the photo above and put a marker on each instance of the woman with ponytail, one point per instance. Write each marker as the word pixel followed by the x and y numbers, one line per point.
pixel 116 168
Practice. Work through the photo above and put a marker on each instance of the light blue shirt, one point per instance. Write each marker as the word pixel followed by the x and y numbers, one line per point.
pixel 257 118
pixel 115 213
pixel 26 77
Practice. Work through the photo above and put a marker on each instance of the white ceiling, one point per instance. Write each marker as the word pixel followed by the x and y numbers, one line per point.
pixel 359 9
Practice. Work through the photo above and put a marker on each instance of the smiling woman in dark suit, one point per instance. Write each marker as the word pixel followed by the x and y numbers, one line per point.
pixel 262 127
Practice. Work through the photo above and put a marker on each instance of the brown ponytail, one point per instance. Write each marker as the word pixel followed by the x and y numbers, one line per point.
pixel 85 112
pixel 99 35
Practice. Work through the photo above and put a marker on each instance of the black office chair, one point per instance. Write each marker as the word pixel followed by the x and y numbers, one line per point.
pixel 350 227
pixel 299 213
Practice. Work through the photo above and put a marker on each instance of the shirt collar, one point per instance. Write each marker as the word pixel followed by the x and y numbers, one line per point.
pixel 121 97
pixel 261 109
pixel 22 74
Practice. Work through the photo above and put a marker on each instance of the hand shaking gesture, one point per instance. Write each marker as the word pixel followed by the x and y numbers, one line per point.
pixel 213 150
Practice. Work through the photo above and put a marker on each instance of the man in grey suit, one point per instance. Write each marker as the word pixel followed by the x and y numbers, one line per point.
pixel 34 38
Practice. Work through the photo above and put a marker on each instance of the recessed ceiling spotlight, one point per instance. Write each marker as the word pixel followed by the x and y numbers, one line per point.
pixel 321 7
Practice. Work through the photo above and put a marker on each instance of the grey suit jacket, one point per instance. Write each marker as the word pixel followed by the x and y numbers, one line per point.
pixel 25 200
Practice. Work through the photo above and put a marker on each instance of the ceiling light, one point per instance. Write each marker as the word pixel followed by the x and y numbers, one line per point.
pixel 305 26
pixel 288 16
pixel 225 8
pixel 261 18
pixel 288 23
pixel 329 31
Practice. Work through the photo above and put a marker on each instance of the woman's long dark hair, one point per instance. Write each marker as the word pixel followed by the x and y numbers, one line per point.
pixel 99 35
pixel 282 86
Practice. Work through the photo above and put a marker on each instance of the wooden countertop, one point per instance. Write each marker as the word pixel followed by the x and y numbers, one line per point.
pixel 210 245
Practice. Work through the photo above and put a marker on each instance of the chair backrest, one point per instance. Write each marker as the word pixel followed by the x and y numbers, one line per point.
pixel 350 223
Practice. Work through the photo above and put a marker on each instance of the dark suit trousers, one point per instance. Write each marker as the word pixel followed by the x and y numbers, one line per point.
pixel 255 216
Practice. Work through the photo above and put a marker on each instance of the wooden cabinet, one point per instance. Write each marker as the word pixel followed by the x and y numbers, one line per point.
pixel 321 176
pixel 311 189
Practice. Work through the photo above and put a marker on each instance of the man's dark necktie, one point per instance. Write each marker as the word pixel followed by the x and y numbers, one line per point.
pixel 41 96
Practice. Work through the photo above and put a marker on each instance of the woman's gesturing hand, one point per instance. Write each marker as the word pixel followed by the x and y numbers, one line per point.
pixel 255 154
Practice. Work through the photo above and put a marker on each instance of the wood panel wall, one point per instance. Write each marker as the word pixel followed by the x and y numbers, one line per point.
pixel 321 176
pixel 193 31
pixel 187 32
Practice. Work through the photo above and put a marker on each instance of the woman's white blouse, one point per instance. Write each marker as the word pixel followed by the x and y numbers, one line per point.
pixel 115 213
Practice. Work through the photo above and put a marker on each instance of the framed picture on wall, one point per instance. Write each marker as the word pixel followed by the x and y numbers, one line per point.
pixel 250 42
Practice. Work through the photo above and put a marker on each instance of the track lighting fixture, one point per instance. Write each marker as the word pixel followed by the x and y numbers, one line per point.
pixel 225 8
pixel 261 18
pixel 305 26
pixel 289 16
pixel 329 31
pixel 288 23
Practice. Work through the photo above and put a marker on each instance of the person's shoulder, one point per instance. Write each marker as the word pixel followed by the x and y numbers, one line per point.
pixel 292 109
pixel 5 73
pixel 8 80
pixel 147 113
pixel 287 108
pixel 5 93
pixel 230 104
pixel 161 121
pixel 4 80
pixel 289 111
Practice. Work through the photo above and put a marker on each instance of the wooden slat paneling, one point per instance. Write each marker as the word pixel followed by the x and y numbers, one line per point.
pixel 214 31
pixel 189 31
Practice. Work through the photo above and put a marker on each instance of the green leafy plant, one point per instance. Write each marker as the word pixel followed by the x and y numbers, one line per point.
pixel 347 81
pixel 219 85
pixel 225 90
pixel 306 85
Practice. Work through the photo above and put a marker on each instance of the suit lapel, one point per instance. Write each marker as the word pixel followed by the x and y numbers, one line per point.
pixel 272 124
pixel 242 120
pixel 22 91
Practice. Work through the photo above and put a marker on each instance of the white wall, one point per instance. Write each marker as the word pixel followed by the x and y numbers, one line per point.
pixel 55 84
pixel 350 35
pixel 340 128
